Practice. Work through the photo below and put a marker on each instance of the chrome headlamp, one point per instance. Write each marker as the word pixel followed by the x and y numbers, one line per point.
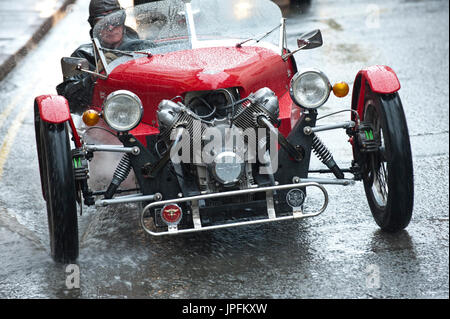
pixel 122 110
pixel 310 89
pixel 227 167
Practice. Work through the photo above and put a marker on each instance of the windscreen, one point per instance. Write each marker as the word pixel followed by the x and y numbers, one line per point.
pixel 172 25
pixel 236 19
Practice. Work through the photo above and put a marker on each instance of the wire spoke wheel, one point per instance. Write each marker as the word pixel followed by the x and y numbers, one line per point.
pixel 380 187
pixel 378 172
pixel 59 190
pixel 388 176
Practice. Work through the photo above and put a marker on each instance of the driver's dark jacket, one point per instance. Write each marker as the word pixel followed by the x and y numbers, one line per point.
pixel 78 90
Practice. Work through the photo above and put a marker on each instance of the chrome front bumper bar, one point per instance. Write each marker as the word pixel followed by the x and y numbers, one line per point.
pixel 271 216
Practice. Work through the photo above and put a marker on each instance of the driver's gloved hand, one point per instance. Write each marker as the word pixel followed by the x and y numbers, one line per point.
pixel 78 91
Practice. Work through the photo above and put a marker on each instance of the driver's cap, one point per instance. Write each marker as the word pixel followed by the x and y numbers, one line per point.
pixel 100 8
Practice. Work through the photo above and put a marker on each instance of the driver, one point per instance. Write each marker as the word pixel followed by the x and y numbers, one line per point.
pixel 78 89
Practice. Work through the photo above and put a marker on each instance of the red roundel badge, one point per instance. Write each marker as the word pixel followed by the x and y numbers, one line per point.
pixel 171 214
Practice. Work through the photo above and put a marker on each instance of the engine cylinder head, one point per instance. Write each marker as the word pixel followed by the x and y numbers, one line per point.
pixel 167 113
pixel 266 98
pixel 263 102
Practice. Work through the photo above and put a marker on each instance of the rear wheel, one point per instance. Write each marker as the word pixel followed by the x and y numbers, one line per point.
pixel 388 172
pixel 59 191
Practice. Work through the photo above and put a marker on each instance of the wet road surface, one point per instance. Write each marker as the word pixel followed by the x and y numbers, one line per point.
pixel 339 254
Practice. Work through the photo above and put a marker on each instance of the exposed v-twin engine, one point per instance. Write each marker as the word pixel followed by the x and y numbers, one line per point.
pixel 221 149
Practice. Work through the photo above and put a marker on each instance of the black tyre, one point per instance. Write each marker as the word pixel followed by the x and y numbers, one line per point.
pixel 59 190
pixel 388 172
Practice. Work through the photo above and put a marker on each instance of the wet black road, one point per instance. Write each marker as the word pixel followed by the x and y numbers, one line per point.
pixel 339 254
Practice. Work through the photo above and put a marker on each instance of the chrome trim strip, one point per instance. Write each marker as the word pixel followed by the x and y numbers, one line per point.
pixel 99 52
pixel 270 205
pixel 283 40
pixel 132 198
pixel 128 199
pixel 295 215
pixel 309 130
pixel 327 181
pixel 191 23
pixel 196 215
pixel 112 148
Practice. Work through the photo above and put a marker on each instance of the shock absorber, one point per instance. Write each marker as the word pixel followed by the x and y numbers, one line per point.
pixel 121 173
pixel 325 156
pixel 80 166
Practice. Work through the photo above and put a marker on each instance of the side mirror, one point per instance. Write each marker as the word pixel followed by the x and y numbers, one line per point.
pixel 310 40
pixel 73 66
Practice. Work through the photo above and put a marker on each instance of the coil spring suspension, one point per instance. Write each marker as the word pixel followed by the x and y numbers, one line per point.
pixel 121 173
pixel 325 156
pixel 321 150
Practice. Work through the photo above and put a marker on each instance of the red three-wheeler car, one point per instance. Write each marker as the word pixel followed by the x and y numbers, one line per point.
pixel 217 124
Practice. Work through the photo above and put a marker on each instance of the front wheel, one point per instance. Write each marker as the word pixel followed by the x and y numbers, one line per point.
pixel 388 172
pixel 59 191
